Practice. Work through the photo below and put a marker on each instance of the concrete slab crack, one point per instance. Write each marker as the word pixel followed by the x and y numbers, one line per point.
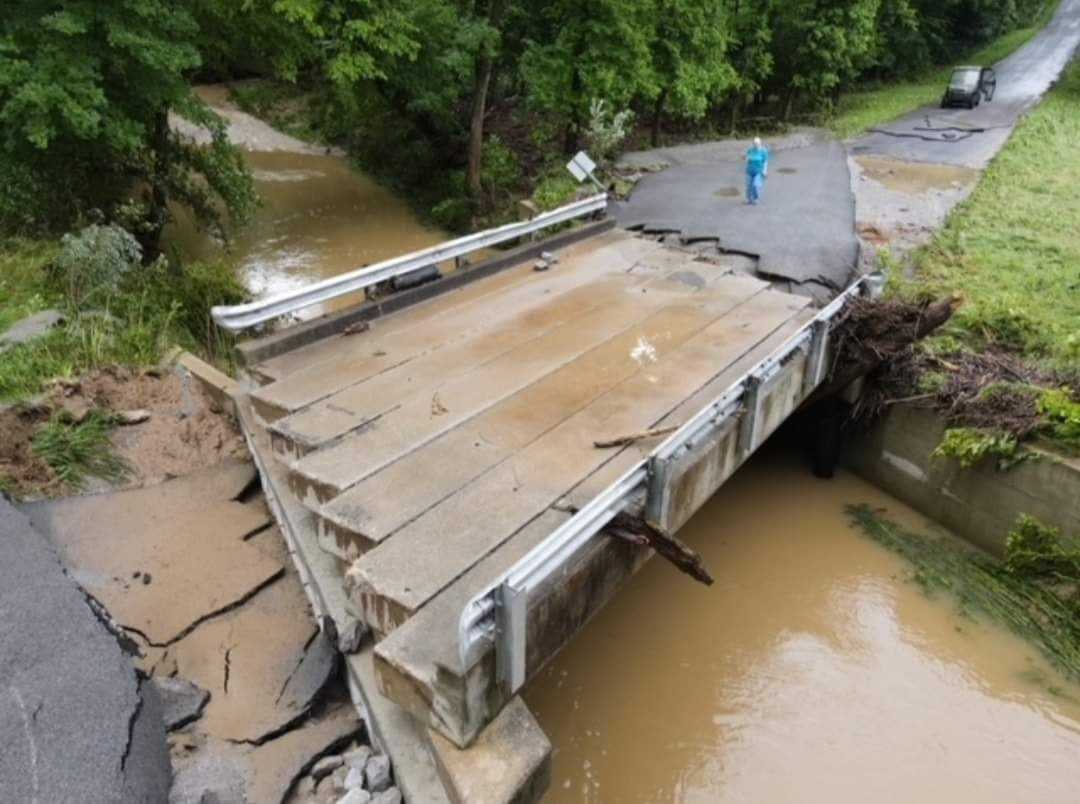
pixel 225 682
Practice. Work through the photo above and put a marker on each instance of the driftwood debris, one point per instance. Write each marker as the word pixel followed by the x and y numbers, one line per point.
pixel 633 438
pixel 874 332
pixel 634 529
pixel 682 557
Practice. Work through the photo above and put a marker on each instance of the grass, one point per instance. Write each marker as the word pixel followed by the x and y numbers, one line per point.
pixel 155 309
pixel 77 450
pixel 863 109
pixel 1013 248
pixel 1033 592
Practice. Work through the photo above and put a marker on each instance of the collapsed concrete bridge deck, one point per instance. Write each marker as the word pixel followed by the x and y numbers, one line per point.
pixel 429 455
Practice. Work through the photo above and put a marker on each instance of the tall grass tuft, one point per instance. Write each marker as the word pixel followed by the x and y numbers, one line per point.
pixel 77 450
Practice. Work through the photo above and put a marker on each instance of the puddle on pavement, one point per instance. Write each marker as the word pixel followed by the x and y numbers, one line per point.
pixel 320 218
pixel 728 192
pixel 811 671
pixel 915 178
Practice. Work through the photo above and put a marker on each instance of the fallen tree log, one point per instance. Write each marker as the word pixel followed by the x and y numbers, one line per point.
pixel 637 530
pixel 633 528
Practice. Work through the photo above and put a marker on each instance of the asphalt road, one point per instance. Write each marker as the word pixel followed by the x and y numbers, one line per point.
pixel 1022 79
pixel 76 725
pixel 803 230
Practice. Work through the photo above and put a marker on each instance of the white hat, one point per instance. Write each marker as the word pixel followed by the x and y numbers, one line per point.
pixel 757 142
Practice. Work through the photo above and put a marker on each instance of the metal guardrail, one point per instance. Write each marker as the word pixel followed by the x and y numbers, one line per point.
pixel 498 614
pixel 243 316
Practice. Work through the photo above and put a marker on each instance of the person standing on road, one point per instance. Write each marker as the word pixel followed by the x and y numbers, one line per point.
pixel 757 170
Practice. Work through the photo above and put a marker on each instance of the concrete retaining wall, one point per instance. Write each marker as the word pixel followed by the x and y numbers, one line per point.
pixel 980 504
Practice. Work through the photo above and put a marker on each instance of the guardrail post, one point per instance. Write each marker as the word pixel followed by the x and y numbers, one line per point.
pixel 814 372
pixel 656 489
pixel 751 404
pixel 510 611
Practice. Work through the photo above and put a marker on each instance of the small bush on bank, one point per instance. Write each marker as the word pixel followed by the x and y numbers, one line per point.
pixel 146 311
pixel 76 450
pixel 93 262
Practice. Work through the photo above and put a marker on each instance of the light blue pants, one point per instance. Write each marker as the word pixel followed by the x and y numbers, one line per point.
pixel 753 187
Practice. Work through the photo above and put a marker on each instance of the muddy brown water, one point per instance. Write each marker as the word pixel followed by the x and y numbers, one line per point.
pixel 915 178
pixel 813 670
pixel 320 216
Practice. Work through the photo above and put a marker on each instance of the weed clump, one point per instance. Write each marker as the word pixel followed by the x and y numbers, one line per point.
pixel 1034 591
pixel 75 450
pixel 970 446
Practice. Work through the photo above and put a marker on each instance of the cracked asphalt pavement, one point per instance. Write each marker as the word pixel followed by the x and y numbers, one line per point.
pixel 803 230
pixel 76 724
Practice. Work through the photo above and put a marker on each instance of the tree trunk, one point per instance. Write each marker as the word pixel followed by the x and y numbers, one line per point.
pixel 658 116
pixel 572 135
pixel 485 66
pixel 158 213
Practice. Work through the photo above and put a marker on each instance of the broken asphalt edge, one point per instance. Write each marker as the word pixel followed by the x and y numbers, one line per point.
pixel 390 728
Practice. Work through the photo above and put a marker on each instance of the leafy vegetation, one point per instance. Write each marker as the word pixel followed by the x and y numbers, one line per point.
pixel 76 450
pixel 969 446
pixel 1034 592
pixel 1060 418
pixel 530 77
pixel 86 89
pixel 1012 248
pixel 145 311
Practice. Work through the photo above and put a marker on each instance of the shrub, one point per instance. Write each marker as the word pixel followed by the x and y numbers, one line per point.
pixel 970 445
pixel 606 129
pixel 93 263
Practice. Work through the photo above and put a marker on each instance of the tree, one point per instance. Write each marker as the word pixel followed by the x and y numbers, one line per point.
pixel 821 45
pixel 750 51
pixel 600 50
pixel 485 65
pixel 86 88
pixel 689 58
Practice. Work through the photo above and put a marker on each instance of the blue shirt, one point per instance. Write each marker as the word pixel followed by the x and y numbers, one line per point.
pixel 757 160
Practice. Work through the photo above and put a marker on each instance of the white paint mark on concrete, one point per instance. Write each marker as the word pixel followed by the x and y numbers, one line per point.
pixel 904 465
pixel 643 352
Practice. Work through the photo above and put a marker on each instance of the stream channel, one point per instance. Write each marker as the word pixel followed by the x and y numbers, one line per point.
pixel 813 670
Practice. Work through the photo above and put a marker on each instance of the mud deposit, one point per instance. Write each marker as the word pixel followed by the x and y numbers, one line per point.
pixel 813 670
pixel 915 178
pixel 184 431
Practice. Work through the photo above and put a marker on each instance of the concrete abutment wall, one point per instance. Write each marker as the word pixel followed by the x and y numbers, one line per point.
pixel 980 504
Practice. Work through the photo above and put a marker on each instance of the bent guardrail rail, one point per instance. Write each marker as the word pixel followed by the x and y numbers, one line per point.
pixel 244 316
pixel 498 614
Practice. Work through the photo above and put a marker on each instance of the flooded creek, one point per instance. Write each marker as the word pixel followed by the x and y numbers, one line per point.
pixel 320 217
pixel 813 670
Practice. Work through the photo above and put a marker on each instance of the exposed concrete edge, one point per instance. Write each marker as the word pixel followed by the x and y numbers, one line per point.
pixel 220 386
pixel 391 729
pixel 252 352
pixel 979 504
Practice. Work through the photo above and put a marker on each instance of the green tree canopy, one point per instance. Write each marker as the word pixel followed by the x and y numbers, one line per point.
pixel 86 87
